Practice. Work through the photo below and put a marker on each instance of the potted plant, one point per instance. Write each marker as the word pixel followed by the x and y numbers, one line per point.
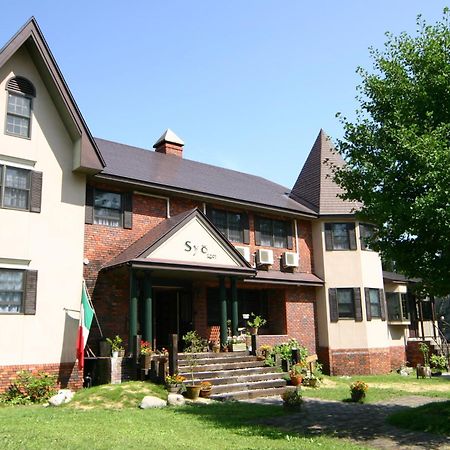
pixel 116 346
pixel 292 398
pixel 174 383
pixel 237 343
pixel 425 370
pixel 215 346
pixel 358 391
pixel 254 323
pixel 439 363
pixel 193 345
pixel 146 354
pixel 205 389
pixel 296 373
pixel 265 351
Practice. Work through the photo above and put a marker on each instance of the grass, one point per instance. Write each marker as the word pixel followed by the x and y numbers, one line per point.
pixel 107 417
pixel 434 418
pixel 381 387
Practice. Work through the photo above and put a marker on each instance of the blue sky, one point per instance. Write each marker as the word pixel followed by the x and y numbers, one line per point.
pixel 246 84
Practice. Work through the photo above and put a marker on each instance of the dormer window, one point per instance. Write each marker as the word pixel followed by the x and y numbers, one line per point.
pixel 18 111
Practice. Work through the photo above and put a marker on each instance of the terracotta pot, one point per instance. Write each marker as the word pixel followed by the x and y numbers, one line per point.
pixel 205 393
pixel 296 380
pixel 192 392
pixel 358 396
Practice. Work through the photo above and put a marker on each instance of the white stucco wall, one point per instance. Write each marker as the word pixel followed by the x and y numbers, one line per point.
pixel 347 269
pixel 51 240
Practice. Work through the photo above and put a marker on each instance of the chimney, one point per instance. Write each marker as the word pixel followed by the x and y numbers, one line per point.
pixel 169 144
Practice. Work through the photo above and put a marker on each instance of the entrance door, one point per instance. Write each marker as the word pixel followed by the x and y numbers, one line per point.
pixel 172 314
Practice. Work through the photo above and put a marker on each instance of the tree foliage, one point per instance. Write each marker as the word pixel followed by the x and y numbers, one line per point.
pixel 398 152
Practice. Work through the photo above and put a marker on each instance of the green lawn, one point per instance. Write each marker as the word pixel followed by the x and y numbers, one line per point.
pixel 107 417
pixel 381 387
pixel 434 417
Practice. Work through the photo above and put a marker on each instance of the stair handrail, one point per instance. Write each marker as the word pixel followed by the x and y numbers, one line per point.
pixel 442 342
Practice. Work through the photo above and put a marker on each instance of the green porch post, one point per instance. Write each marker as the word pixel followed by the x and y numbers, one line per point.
pixel 234 307
pixel 148 309
pixel 133 310
pixel 223 312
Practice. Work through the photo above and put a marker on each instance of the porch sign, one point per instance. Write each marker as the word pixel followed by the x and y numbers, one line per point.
pixel 86 316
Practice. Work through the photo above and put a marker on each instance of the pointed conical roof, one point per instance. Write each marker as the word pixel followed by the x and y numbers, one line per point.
pixel 315 187
pixel 169 136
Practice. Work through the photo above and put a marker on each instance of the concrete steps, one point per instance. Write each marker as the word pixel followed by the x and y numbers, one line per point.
pixel 233 375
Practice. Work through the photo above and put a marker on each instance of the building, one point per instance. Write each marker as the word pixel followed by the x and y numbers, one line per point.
pixel 167 244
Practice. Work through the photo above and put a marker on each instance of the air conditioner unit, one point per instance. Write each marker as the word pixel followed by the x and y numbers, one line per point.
pixel 264 256
pixel 244 251
pixel 290 259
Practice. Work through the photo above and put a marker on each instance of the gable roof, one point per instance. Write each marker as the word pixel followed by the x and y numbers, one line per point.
pixel 30 36
pixel 315 186
pixel 168 172
pixel 138 251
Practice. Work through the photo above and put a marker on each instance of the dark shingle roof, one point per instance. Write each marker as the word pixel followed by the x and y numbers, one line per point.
pixel 170 171
pixel 315 186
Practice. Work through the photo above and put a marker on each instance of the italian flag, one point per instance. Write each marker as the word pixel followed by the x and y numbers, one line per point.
pixel 86 316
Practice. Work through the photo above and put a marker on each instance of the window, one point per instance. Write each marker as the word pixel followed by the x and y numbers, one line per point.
pixel 11 291
pixel 107 208
pixel 365 232
pixel 340 236
pixel 15 187
pixel 230 224
pixel 18 111
pixel 273 233
pixel 397 306
pixel 345 303
pixel 346 307
pixel 373 303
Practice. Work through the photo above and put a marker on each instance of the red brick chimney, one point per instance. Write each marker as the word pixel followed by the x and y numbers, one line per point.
pixel 169 144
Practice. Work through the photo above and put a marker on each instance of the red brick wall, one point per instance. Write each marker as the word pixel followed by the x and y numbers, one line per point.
pixel 398 357
pixel 360 361
pixel 68 375
pixel 293 314
pixel 300 316
pixel 414 355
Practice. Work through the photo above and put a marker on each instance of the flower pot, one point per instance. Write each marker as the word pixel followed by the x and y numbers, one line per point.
pixel 296 380
pixel 253 330
pixel 121 353
pixel 115 354
pixel 146 361
pixel 173 388
pixel 240 347
pixel 192 392
pixel 216 349
pixel 423 371
pixel 358 396
pixel 205 393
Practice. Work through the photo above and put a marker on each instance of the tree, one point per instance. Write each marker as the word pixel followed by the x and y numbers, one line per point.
pixel 398 153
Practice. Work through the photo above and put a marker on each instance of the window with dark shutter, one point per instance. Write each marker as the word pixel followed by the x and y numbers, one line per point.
pixel 367 299
pixel 365 232
pixel 272 233
pixel 340 236
pixel 382 303
pixel 373 303
pixel 348 303
pixel 89 209
pixel 18 291
pixel 20 188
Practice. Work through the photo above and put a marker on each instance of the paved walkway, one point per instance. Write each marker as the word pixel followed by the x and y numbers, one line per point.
pixel 362 423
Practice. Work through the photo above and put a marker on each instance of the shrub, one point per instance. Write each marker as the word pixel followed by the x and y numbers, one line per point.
pixel 292 398
pixel 285 350
pixel 439 362
pixel 358 391
pixel 30 388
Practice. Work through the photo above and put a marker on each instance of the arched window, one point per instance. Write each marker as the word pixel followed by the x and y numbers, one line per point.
pixel 18 113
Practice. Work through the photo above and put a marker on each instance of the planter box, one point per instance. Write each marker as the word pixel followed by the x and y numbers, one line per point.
pixel 241 347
